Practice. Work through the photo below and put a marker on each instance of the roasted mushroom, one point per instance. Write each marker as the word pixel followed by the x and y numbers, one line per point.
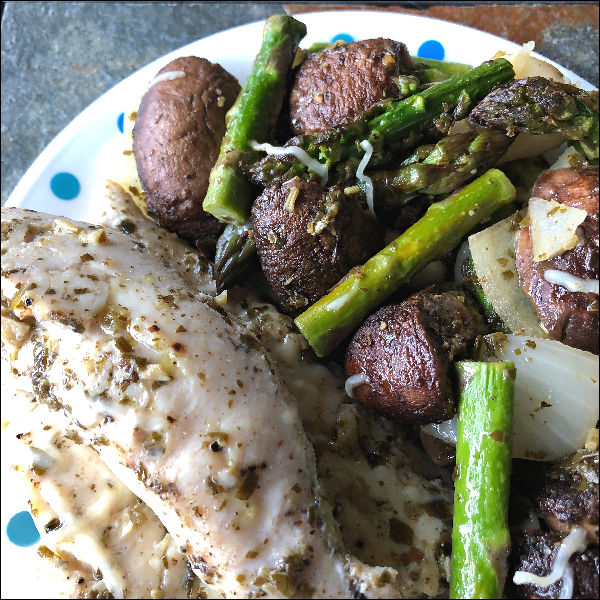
pixel 404 352
pixel 308 237
pixel 176 140
pixel 570 317
pixel 336 86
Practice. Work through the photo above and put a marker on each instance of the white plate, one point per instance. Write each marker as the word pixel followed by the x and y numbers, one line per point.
pixel 75 150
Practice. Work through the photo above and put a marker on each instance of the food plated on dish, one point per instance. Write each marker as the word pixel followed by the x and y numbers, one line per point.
pixel 333 333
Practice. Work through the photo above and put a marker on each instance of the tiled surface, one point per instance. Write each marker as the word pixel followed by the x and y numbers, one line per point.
pixel 57 57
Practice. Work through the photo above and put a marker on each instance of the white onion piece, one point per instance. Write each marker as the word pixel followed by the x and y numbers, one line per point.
pixel 568 159
pixel 556 394
pixel 314 165
pixel 553 227
pixel 574 542
pixel 493 252
pixel 360 173
pixel 526 65
pixel 528 145
pixel 565 379
pixel 434 272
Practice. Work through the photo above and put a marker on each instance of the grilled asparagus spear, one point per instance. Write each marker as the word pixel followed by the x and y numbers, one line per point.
pixel 327 322
pixel 390 127
pixel 235 248
pixel 538 105
pixel 252 116
pixel 440 168
pixel 480 536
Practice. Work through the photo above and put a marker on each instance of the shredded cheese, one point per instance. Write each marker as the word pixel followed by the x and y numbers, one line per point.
pixel 571 282
pixel 360 173
pixel 574 542
pixel 314 165
pixel 354 381
pixel 566 589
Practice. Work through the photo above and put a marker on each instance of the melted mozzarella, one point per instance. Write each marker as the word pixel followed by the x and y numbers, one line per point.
pixel 360 173
pixel 314 165
pixel 168 76
pixel 354 381
pixel 574 542
pixel 571 282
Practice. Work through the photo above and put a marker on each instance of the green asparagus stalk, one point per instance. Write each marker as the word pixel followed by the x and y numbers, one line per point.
pixel 333 317
pixel 480 536
pixel 390 127
pixel 430 70
pixel 235 249
pixel 440 168
pixel 252 117
pixel 538 105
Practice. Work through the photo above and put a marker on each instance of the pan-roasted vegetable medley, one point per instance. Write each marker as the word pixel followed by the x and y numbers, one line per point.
pixel 432 230
pixel 365 171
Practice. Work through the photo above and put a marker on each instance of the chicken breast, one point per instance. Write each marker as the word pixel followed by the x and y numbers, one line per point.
pixel 181 403
pixel 393 507
pixel 98 539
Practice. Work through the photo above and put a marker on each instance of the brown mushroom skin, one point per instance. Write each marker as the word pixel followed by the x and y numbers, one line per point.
pixel 337 86
pixel 307 244
pixel 548 500
pixel 569 317
pixel 442 454
pixel 176 139
pixel 405 351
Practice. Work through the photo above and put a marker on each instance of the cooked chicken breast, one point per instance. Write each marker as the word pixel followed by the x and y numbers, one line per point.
pixel 393 507
pixel 98 538
pixel 180 401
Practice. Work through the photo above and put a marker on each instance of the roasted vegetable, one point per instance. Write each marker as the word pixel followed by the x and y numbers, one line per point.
pixel 252 117
pixel 438 169
pixel 480 535
pixel 538 105
pixel 333 317
pixel 389 127
pixel 235 249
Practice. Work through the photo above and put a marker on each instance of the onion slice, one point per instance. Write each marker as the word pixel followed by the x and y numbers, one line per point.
pixel 493 252
pixel 556 396
pixel 553 227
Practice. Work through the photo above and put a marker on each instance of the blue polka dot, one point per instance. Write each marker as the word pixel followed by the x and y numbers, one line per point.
pixel 21 530
pixel 431 49
pixel 65 186
pixel 120 120
pixel 345 37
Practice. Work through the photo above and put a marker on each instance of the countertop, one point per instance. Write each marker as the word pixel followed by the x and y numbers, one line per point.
pixel 57 57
